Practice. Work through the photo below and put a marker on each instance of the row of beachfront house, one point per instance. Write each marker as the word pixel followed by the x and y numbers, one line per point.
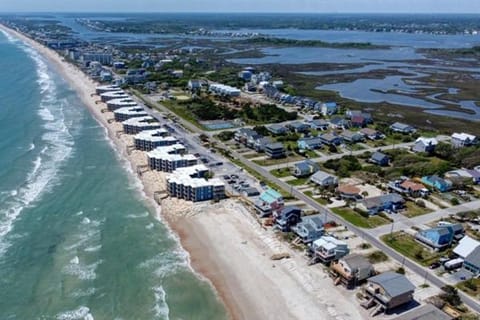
pixel 187 179
pixel 381 293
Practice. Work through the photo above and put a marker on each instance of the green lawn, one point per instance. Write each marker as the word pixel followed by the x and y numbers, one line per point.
pixel 182 112
pixel 358 220
pixel 271 162
pixel 322 201
pixel 414 210
pixel 281 173
pixel 299 181
pixel 406 245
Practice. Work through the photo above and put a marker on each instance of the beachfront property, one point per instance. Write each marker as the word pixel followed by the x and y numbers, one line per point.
pixel 110 95
pixel 151 139
pixel 324 179
pixel 189 183
pixel 270 200
pixel 137 125
pixel 460 140
pixel 275 150
pixel 387 291
pixel 310 228
pixel 351 270
pixel 408 187
pixel 126 113
pixel 437 183
pixel 379 158
pixel 426 145
pixel 107 88
pixel 305 168
pixel 310 143
pixel 115 104
pixel 287 217
pixel 328 249
pixel 224 90
pixel 169 158
pixel 425 312
pixel 374 205
pixel 402 128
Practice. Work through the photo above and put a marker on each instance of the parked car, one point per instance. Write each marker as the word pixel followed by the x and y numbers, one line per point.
pixel 435 265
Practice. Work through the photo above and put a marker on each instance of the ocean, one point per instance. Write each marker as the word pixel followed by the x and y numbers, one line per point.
pixel 77 238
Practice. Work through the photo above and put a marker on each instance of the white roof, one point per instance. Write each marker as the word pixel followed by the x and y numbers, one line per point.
pixel 170 153
pixel 122 102
pixel 108 88
pixel 427 141
pixel 463 136
pixel 141 121
pixel 466 246
pixel 328 242
pixel 119 94
pixel 184 175
pixel 155 135
pixel 131 110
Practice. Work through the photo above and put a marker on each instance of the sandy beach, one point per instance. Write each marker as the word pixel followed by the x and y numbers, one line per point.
pixel 225 243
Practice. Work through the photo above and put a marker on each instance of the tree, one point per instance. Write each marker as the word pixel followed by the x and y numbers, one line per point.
pixel 444 151
pixel 451 296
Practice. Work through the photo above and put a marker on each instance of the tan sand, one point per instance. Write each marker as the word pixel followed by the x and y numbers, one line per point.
pixel 225 243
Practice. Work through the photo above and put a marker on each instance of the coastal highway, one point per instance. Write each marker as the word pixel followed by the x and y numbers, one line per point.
pixel 367 235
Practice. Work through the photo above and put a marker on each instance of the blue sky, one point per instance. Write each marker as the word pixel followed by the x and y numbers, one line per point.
pixel 397 6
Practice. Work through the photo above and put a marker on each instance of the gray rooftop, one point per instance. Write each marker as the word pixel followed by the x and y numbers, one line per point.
pixel 357 261
pixel 474 257
pixel 393 283
pixel 426 312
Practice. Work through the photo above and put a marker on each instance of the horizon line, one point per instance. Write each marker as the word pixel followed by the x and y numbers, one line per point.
pixel 240 12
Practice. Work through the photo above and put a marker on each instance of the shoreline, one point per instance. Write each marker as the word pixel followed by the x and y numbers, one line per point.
pixel 72 74
pixel 225 246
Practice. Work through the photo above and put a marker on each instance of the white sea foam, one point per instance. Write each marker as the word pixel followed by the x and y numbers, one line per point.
pixel 167 263
pixel 9 37
pixel 82 271
pixel 59 144
pixel 86 220
pixel 161 308
pixel 136 216
pixel 81 313
pixel 75 260
pixel 83 293
pixel 149 226
pixel 32 147
pixel 93 249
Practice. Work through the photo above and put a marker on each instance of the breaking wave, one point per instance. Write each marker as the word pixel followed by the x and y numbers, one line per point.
pixel 45 168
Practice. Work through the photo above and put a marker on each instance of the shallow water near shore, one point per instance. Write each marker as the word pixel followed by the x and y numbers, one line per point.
pixel 77 241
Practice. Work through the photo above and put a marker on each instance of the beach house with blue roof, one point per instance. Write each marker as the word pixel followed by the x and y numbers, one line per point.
pixel 438 238
pixel 438 183
pixel 270 200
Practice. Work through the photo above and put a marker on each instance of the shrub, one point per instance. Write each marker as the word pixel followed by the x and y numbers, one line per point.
pixel 421 203
pixel 454 202
pixel 400 270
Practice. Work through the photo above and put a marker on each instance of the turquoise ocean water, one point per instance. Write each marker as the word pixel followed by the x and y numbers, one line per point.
pixel 77 241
